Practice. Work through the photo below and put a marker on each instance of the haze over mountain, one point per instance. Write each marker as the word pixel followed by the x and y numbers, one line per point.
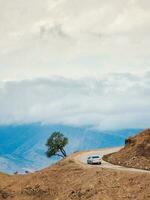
pixel 75 63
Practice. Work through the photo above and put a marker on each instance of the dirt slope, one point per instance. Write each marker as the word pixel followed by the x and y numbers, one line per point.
pixel 68 180
pixel 81 158
pixel 136 152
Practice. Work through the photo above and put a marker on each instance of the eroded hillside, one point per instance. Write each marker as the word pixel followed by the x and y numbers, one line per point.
pixel 69 181
pixel 136 152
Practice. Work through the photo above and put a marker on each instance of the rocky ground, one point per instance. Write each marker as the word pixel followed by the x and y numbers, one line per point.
pixel 68 180
pixel 136 152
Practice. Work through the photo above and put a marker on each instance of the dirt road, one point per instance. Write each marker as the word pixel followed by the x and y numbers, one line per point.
pixel 81 158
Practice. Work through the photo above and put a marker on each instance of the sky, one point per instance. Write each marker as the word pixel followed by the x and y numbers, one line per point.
pixel 75 62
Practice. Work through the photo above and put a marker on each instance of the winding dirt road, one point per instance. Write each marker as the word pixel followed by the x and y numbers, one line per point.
pixel 81 158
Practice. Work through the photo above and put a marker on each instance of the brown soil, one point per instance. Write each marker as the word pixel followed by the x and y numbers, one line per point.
pixel 68 180
pixel 136 152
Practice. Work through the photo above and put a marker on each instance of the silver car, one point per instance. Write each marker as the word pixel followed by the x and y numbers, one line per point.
pixel 95 159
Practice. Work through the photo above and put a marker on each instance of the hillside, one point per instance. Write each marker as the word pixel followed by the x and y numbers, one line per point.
pixel 67 180
pixel 136 152
pixel 22 147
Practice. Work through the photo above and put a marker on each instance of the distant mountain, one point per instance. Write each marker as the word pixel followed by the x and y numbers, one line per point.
pixel 22 147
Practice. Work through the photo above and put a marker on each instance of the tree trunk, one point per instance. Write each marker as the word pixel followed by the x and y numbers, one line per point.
pixel 63 152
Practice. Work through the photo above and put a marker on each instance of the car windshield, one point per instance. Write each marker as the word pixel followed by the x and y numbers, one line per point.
pixel 95 157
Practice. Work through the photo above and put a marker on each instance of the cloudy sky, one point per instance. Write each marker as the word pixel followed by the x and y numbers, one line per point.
pixel 77 62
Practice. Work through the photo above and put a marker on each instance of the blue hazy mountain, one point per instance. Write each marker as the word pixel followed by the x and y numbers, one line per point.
pixel 22 147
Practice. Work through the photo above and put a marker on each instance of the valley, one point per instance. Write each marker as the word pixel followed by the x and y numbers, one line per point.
pixel 22 147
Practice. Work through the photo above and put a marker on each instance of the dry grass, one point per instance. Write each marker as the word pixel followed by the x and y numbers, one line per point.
pixel 135 154
pixel 69 181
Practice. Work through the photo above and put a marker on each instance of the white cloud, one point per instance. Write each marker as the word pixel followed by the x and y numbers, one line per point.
pixel 73 38
pixel 99 47
pixel 116 101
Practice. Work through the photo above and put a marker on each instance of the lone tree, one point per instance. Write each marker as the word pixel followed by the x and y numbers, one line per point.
pixel 56 143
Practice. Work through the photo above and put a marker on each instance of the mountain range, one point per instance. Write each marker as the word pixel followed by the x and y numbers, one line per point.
pixel 22 147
